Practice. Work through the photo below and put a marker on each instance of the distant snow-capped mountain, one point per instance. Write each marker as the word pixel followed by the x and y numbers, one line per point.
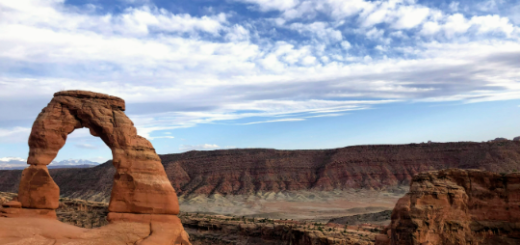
pixel 75 162
pixel 11 163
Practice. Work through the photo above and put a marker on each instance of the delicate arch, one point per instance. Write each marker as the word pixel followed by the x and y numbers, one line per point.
pixel 140 183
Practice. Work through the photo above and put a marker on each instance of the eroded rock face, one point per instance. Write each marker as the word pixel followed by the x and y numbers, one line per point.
pixel 457 207
pixel 140 186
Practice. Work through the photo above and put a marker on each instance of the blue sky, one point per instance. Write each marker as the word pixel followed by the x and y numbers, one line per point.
pixel 284 74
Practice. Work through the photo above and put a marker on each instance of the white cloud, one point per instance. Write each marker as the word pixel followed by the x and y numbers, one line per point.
pixel 430 28
pixel 202 147
pixel 328 115
pixel 410 17
pixel 162 137
pixel 399 14
pixel 140 21
pixel 457 24
pixel 269 5
pixel 14 135
pixel 346 45
pixel 305 10
pixel 238 33
pixel 276 120
pixel 319 30
pixel 9 159
pixel 133 21
pixel 375 33
pixel 493 23
pixel 342 9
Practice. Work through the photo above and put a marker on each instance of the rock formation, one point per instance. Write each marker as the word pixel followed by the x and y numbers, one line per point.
pixel 141 191
pixel 457 207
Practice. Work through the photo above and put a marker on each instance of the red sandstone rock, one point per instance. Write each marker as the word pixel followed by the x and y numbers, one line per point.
pixel 14 212
pixel 140 183
pixel 457 207
pixel 31 231
pixel 142 218
pixel 37 189
pixel 14 203
pixel 143 200
pixel 164 228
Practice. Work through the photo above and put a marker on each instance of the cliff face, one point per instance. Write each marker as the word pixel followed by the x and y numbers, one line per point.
pixel 457 207
pixel 246 171
pixel 378 166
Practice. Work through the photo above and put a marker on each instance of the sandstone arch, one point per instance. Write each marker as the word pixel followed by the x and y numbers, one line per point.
pixel 143 204
pixel 140 184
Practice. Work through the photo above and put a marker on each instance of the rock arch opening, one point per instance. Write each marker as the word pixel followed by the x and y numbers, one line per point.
pixel 82 149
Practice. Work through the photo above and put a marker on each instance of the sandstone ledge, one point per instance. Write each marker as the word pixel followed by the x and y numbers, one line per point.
pixel 22 231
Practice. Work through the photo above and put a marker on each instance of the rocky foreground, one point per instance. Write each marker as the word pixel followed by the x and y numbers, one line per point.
pixel 216 229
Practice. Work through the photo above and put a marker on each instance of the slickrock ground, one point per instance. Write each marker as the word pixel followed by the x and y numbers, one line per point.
pixel 36 231
pixel 457 207
pixel 75 215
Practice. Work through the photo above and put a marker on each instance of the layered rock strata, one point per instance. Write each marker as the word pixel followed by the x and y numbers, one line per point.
pixel 457 207
pixel 250 171
pixel 141 191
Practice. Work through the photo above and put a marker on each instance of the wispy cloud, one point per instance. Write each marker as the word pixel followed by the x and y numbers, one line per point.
pixel 14 135
pixel 276 120
pixel 198 147
pixel 9 159
pixel 162 137
pixel 328 115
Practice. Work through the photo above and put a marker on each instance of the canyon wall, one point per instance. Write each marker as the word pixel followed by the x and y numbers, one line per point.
pixel 246 171
pixel 457 207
